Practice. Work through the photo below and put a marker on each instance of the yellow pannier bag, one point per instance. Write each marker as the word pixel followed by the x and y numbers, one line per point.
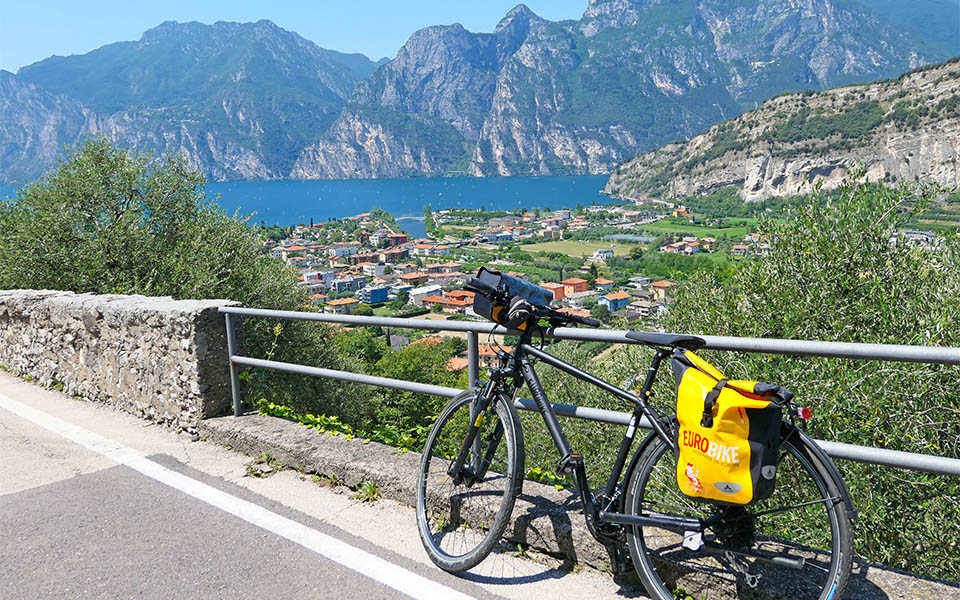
pixel 728 434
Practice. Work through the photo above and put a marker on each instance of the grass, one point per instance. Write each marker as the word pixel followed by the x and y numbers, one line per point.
pixel 578 248
pixel 738 228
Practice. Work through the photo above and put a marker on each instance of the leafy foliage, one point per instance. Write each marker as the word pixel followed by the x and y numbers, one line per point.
pixel 108 222
pixel 835 275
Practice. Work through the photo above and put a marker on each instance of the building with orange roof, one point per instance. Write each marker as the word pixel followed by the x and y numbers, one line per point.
pixel 603 284
pixel 661 289
pixel 457 364
pixel 574 285
pixel 487 354
pixel 414 279
pixel 430 340
pixel 556 288
pixel 615 301
pixel 342 306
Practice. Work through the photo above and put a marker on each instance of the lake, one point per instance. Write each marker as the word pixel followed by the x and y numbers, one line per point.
pixel 293 202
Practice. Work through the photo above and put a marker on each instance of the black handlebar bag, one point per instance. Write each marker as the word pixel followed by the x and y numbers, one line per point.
pixel 515 298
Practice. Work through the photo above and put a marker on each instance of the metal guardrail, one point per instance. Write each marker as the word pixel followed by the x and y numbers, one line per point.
pixel 883 352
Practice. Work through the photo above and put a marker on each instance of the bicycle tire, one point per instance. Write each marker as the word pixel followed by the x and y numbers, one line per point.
pixel 460 524
pixel 820 532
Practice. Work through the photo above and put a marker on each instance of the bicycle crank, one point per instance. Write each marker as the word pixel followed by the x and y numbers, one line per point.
pixel 751 579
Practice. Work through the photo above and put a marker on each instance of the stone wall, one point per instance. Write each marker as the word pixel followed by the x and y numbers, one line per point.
pixel 161 359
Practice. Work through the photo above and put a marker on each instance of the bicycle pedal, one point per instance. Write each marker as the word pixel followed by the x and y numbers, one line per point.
pixel 568 464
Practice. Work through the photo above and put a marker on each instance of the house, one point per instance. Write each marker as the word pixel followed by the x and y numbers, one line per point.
pixel 341 249
pixel 373 295
pixel 418 294
pixel 615 301
pixel 318 298
pixel 681 211
pixel 422 250
pixel 661 289
pixel 414 279
pixel 577 299
pixel 739 249
pixel 602 284
pixel 557 289
pixel 394 255
pixel 640 281
pixel 644 309
pixel 601 255
pixel 451 304
pixel 562 214
pixel 373 270
pixel 574 285
pixel 529 217
pixel 488 354
pixel 708 243
pixel 551 233
pixel 507 221
pixel 357 259
pixel 395 239
pixel 348 284
pixel 552 222
pixel 342 306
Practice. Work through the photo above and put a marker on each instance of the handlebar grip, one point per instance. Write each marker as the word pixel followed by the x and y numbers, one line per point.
pixel 590 322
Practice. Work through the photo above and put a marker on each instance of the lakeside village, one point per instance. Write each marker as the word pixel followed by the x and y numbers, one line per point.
pixel 592 258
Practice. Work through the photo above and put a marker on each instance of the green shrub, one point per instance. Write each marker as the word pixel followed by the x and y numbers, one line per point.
pixel 108 222
pixel 834 275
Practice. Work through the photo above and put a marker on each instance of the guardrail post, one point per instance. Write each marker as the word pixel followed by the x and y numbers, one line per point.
pixel 231 352
pixel 473 358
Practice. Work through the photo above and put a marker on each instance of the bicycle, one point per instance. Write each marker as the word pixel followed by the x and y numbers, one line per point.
pixel 796 544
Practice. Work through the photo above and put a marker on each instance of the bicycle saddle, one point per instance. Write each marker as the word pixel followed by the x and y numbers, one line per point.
pixel 690 342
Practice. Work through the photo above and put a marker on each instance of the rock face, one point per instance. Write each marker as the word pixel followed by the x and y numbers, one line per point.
pixel 240 101
pixel 539 97
pixel 902 130
pixel 161 359
pixel 252 101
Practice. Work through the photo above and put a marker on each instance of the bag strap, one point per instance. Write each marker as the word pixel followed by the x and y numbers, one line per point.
pixel 709 402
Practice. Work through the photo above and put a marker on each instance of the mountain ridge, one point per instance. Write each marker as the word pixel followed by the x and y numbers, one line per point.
pixel 902 129
pixel 255 101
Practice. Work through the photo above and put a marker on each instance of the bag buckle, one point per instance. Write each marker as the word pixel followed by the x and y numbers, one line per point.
pixel 709 402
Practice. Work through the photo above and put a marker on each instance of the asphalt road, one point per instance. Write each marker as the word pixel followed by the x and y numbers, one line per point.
pixel 98 504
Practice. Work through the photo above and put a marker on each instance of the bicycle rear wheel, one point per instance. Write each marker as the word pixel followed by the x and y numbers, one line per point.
pixel 795 545
pixel 460 522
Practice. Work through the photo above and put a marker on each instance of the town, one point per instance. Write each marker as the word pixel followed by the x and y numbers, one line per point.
pixel 590 258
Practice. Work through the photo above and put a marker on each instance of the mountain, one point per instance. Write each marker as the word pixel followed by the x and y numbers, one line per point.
pixel 253 101
pixel 241 100
pixel 902 130
pixel 541 97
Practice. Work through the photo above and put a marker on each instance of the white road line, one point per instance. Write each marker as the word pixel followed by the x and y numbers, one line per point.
pixel 370 565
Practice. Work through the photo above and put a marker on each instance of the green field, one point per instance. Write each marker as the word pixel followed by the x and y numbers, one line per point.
pixel 578 248
pixel 737 229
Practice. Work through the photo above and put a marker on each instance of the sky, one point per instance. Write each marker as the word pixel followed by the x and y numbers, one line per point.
pixel 32 31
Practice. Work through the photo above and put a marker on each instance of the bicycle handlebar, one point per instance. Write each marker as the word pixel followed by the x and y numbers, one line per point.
pixel 475 285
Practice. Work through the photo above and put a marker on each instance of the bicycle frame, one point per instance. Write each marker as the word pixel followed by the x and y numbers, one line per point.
pixel 603 513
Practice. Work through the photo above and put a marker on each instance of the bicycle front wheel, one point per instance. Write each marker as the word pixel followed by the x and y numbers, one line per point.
pixel 461 517
pixel 795 545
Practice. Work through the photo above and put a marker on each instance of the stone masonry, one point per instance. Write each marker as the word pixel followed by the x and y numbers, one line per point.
pixel 161 359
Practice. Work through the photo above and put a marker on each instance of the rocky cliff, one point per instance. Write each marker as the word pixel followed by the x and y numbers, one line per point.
pixel 239 100
pixel 901 129
pixel 541 97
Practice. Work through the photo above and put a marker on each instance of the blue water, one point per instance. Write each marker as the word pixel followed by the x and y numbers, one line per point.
pixel 293 202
